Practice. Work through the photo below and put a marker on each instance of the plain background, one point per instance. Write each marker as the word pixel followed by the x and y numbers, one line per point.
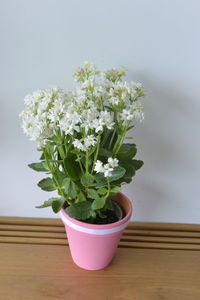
pixel 42 42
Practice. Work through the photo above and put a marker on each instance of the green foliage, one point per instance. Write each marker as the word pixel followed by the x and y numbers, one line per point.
pixel 80 197
pixel 73 190
pixel 72 167
pixel 93 194
pixel 108 205
pixel 115 189
pixel 39 167
pixel 65 185
pixel 47 184
pixel 98 203
pixel 87 179
pixel 117 173
pixel 100 180
pixel 58 176
pixel 55 202
pixel 80 211
pixel 104 152
pixel 47 203
pixel 137 164
pixel 102 191
pixel 127 152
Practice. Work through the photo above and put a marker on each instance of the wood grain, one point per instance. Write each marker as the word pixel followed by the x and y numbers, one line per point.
pixel 153 262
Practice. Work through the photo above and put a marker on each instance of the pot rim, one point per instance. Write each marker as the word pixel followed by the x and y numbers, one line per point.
pixel 120 223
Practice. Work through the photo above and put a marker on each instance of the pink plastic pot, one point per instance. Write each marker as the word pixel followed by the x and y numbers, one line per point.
pixel 93 246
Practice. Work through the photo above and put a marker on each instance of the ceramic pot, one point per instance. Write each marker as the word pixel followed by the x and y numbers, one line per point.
pixel 93 246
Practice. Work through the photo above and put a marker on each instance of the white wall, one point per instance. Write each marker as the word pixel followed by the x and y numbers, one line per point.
pixel 42 42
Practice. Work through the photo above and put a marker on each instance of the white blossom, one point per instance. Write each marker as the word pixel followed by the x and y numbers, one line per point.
pixel 88 70
pixel 36 122
pixel 99 168
pixel 77 144
pixel 108 168
pixel 90 140
pixel 133 112
pixel 113 162
pixel 97 103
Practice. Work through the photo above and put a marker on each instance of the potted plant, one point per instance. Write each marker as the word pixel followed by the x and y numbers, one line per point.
pixel 81 135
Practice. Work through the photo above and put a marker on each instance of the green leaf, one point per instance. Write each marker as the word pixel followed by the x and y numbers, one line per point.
pixel 42 157
pixel 47 203
pixel 47 184
pixel 102 191
pixel 65 184
pixel 109 204
pixel 120 130
pixel 129 167
pixel 101 180
pixel 59 176
pixel 116 189
pixel 104 152
pixel 80 211
pixel 72 167
pixel 72 190
pixel 57 204
pixel 130 172
pixel 130 127
pixel 80 197
pixel 127 152
pixel 93 194
pixel 39 167
pixel 117 173
pixel 137 164
pixel 98 203
pixel 87 179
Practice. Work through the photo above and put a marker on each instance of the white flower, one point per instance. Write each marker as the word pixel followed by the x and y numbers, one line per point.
pixel 86 71
pixel 113 162
pixel 108 170
pixel 97 124
pixel 114 100
pixel 136 85
pixel 133 112
pixel 126 115
pixel 95 105
pixel 77 144
pixel 106 119
pixel 90 140
pixel 99 167
pixel 36 121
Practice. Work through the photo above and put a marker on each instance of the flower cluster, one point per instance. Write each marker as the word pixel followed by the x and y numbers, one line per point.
pixel 86 143
pixel 36 117
pixel 107 168
pixel 101 101
pixel 81 136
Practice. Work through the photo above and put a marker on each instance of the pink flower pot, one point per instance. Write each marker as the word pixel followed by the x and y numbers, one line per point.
pixel 93 246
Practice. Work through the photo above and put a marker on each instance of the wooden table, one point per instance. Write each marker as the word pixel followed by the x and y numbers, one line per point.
pixel 153 261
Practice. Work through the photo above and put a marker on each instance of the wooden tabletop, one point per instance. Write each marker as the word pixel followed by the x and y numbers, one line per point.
pixel 153 261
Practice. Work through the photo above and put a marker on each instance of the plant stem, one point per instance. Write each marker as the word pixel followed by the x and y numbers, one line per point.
pixel 104 138
pixel 96 152
pixel 52 171
pixel 110 144
pixel 80 164
pixel 86 162
pixel 108 182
